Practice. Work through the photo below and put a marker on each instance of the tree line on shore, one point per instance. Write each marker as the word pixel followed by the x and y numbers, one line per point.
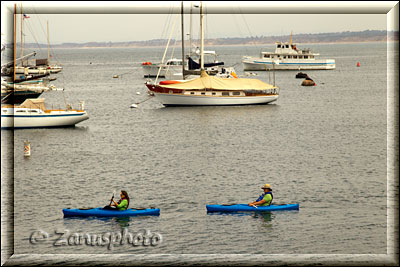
pixel 335 37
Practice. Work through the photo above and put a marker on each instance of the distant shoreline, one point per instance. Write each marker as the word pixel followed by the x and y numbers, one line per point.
pixel 220 45
pixel 368 36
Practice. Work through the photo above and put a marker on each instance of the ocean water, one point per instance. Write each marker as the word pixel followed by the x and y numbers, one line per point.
pixel 324 147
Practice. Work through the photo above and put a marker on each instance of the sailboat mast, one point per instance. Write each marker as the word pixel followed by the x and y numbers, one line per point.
pixel 15 37
pixel 183 43
pixel 48 43
pixel 22 35
pixel 190 34
pixel 201 37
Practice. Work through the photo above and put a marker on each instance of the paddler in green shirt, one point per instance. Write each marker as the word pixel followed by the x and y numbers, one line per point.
pixel 265 199
pixel 123 203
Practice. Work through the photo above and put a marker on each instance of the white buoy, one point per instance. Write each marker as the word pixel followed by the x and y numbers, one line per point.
pixel 138 93
pixel 134 106
pixel 27 149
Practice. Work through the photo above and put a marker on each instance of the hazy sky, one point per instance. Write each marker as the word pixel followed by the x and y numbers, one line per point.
pixel 153 20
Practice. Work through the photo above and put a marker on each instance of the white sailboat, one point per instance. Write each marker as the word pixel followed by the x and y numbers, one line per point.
pixel 32 113
pixel 211 90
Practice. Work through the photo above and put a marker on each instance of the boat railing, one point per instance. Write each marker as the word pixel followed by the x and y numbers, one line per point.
pixel 69 107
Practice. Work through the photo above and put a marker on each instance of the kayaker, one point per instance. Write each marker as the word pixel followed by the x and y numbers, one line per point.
pixel 265 199
pixel 122 204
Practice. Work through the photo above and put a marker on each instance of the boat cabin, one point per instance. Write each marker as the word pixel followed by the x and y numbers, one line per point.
pixel 288 51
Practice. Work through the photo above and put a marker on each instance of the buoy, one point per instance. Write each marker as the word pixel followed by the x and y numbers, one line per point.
pixel 134 106
pixel 27 149
pixel 358 64
pixel 138 93
pixel 115 76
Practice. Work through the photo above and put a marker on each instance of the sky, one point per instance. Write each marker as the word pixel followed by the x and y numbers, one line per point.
pixel 81 22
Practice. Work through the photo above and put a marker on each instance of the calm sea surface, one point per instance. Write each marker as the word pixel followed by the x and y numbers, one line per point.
pixel 324 147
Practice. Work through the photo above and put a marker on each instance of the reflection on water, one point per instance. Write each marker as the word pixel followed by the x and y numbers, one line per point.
pixel 267 215
pixel 265 218
pixel 122 221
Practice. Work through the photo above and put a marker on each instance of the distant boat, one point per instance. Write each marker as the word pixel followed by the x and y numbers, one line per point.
pixel 32 113
pixel 151 70
pixel 287 57
pixel 37 70
pixel 172 69
pixel 215 68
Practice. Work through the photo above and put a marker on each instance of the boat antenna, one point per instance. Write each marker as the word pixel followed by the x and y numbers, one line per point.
pixel 22 35
pixel 291 33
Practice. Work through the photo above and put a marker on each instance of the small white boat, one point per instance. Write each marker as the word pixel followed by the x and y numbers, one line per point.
pixel 32 113
pixel 37 70
pixel 287 57
pixel 173 67
pixel 151 70
pixel 217 71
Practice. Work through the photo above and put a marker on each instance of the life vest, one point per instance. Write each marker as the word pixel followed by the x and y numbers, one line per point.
pixel 262 197
pixel 119 202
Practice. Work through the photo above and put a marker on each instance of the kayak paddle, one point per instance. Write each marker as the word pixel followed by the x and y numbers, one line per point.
pixel 112 198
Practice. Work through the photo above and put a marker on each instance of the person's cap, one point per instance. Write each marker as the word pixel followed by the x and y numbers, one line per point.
pixel 266 186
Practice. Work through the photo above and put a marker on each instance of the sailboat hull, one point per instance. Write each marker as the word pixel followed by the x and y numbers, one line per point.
pixel 255 65
pixel 188 100
pixel 31 120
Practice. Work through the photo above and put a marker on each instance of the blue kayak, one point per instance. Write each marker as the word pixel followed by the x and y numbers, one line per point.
pixel 246 207
pixel 101 212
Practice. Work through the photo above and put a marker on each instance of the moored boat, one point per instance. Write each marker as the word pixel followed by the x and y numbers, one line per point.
pixel 151 70
pixel 101 212
pixel 172 69
pixel 214 91
pixel 287 57
pixel 246 207
pixel 32 113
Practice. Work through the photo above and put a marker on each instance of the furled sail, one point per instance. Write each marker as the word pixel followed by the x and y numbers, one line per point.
pixel 206 82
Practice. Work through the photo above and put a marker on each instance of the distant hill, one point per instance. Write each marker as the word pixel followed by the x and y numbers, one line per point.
pixel 335 37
